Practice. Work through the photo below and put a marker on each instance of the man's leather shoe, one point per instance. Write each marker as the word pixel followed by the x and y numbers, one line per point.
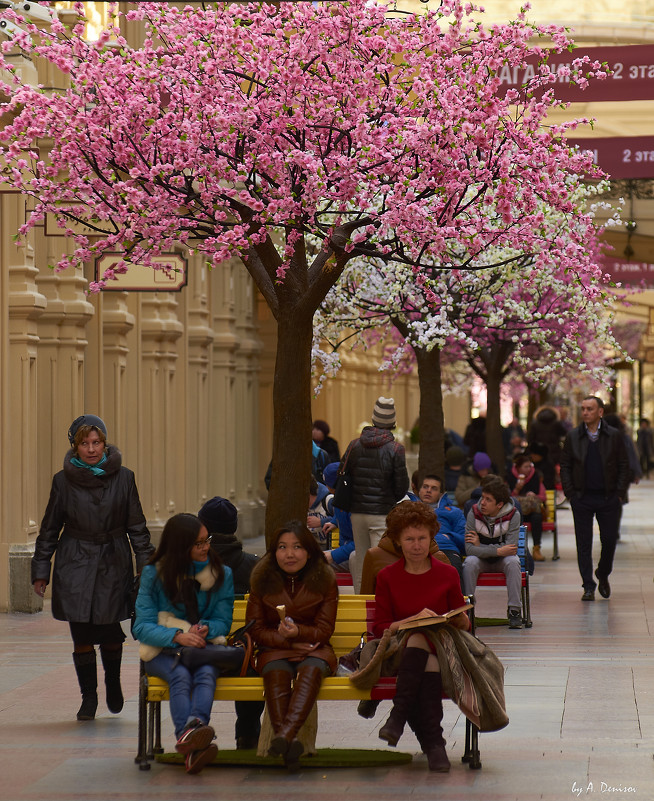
pixel 603 586
pixel 589 595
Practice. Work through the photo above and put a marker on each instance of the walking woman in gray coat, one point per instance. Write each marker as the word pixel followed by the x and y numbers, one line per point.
pixel 95 501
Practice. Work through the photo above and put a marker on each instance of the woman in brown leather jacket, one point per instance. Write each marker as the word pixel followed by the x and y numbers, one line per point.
pixel 293 601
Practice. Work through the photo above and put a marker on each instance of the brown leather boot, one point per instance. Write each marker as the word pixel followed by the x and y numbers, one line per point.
pixel 409 677
pixel 305 690
pixel 277 689
pixel 431 714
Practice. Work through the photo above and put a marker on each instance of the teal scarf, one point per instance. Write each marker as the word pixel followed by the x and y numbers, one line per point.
pixel 94 468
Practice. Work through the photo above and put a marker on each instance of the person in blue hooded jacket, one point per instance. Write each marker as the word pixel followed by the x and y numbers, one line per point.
pixel 339 557
pixel 186 598
pixel 451 535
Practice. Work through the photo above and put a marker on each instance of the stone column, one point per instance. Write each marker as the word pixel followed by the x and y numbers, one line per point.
pixel 248 500
pixel 25 304
pixel 199 403
pixel 222 430
pixel 159 477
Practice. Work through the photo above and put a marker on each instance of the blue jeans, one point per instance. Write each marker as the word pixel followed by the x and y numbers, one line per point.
pixel 191 693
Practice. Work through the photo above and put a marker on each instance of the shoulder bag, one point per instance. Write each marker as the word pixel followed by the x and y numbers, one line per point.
pixel 343 488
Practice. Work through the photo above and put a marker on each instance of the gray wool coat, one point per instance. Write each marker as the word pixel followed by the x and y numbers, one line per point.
pixel 101 517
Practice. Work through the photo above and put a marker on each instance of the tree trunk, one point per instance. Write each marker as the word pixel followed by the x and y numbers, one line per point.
pixel 432 428
pixel 288 497
pixel 494 442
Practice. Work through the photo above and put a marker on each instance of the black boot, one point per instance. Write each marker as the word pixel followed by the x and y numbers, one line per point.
pixel 430 705
pixel 87 676
pixel 248 724
pixel 415 723
pixel 111 659
pixel 409 677
pixel 367 708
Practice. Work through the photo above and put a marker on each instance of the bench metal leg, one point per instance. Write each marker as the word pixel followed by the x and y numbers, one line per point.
pixel 555 538
pixel 158 748
pixel 471 754
pixel 526 604
pixel 141 757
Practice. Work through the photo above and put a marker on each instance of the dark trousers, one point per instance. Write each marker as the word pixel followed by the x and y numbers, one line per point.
pixel 607 512
pixel 455 560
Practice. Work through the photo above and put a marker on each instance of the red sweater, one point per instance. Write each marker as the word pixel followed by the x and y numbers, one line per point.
pixel 399 594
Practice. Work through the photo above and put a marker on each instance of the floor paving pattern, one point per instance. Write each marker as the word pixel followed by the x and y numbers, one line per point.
pixel 579 692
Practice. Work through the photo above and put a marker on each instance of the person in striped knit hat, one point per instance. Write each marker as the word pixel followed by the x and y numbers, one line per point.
pixel 376 464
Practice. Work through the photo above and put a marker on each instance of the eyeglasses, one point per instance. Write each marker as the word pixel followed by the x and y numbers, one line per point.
pixel 202 543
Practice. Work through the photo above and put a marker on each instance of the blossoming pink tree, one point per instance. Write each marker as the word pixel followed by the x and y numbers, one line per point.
pixel 241 130
pixel 524 315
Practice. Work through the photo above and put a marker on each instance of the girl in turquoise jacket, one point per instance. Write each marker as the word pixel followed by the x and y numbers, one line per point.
pixel 186 598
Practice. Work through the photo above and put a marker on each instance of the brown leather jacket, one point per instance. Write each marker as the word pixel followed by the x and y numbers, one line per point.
pixel 310 599
pixel 385 554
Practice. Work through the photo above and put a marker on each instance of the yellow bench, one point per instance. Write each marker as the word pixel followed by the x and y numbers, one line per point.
pixel 549 521
pixel 355 616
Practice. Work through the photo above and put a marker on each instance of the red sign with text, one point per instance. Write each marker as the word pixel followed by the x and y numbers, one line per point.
pixel 629 272
pixel 621 156
pixel 631 78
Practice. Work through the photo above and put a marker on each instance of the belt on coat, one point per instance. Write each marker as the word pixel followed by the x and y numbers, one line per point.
pixel 99 538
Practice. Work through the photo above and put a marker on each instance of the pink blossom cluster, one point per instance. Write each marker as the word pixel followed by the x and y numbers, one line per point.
pixel 242 130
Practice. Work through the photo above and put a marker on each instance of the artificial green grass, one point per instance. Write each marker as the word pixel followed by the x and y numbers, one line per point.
pixel 480 622
pixel 325 758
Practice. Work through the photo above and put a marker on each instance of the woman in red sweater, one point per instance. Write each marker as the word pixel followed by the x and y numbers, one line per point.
pixel 414 584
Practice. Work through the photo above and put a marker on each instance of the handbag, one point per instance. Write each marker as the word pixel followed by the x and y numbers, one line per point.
pixel 529 504
pixel 349 663
pixel 235 656
pixel 343 489
pixel 224 657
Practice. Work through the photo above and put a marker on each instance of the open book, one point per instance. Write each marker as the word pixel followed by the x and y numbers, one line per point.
pixel 428 618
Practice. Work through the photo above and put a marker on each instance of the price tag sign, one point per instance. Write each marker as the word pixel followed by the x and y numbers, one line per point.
pixel 169 275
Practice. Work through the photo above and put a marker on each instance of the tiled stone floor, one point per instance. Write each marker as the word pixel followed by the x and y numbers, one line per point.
pixel 579 688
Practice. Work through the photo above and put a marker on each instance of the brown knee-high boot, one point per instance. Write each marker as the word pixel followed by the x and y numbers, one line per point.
pixel 305 690
pixel 277 688
pixel 431 714
pixel 409 677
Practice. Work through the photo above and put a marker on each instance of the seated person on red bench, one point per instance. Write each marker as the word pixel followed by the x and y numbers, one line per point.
pixel 415 583
pixel 492 530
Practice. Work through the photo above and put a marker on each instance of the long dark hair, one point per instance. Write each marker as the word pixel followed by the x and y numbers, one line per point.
pixel 179 535
pixel 306 538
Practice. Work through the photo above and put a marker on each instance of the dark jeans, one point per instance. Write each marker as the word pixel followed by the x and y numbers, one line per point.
pixel 535 520
pixel 607 512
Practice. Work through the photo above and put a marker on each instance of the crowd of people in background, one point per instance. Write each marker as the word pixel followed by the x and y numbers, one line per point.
pixel 417 544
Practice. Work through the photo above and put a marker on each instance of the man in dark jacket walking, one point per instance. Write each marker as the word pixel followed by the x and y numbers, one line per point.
pixel 377 466
pixel 595 477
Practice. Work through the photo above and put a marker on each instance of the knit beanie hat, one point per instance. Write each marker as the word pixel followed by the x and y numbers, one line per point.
pixel 454 456
pixel 481 461
pixel 219 515
pixel 330 474
pixel 85 420
pixel 383 415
